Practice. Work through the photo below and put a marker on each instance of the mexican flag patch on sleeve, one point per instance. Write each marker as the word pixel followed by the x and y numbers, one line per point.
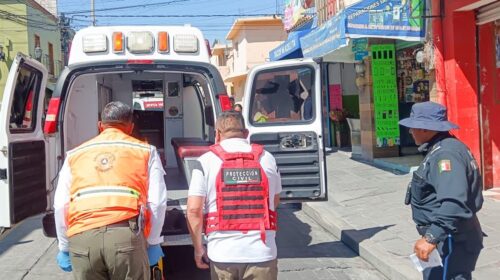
pixel 444 165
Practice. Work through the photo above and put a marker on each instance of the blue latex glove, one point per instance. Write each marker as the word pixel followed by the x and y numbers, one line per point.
pixel 64 261
pixel 154 254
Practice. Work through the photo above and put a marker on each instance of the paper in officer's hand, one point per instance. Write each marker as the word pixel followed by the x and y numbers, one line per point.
pixel 434 260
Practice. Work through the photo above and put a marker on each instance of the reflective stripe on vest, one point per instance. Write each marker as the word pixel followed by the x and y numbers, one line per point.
pixel 242 194
pixel 109 182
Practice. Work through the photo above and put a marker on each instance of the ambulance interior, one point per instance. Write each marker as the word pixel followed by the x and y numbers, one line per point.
pixel 172 111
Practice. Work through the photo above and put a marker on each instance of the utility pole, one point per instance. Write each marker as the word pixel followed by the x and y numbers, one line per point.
pixel 92 12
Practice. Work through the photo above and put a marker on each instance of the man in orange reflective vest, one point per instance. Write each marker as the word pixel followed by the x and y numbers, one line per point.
pixel 238 186
pixel 110 203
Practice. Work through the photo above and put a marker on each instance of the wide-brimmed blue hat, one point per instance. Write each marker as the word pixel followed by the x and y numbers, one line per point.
pixel 428 115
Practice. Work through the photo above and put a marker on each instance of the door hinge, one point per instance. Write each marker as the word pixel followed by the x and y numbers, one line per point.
pixel 4 150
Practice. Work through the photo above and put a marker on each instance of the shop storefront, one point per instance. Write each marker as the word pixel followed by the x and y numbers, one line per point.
pixel 384 40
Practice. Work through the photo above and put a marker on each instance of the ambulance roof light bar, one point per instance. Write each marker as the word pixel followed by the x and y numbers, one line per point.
pixel 93 43
pixel 186 43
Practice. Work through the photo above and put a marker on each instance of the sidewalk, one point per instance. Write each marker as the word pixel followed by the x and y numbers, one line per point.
pixel 366 211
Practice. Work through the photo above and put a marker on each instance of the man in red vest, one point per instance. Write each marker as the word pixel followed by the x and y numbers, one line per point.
pixel 237 186
pixel 110 203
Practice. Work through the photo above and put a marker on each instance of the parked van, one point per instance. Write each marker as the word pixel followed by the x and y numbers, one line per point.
pixel 164 74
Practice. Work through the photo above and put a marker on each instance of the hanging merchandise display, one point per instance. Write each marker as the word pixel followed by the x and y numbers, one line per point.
pixel 385 95
pixel 413 80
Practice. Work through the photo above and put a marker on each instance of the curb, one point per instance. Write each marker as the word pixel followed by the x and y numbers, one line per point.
pixel 369 250
pixel 392 166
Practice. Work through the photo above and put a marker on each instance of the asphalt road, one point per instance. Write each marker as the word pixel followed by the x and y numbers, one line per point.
pixel 305 251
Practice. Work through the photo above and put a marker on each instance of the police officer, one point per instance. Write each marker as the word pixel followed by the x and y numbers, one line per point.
pixel 445 195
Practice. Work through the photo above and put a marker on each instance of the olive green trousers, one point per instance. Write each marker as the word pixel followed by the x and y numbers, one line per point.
pixel 109 252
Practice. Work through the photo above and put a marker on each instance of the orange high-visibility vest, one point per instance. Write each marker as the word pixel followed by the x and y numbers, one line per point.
pixel 109 182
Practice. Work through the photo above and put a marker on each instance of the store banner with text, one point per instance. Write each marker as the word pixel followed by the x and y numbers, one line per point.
pixel 329 37
pixel 396 19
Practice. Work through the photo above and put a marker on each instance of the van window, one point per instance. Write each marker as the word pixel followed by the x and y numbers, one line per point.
pixel 147 95
pixel 283 96
pixel 23 108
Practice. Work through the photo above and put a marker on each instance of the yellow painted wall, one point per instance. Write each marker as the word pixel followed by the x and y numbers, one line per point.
pixel 20 36
pixel 13 37
pixel 48 31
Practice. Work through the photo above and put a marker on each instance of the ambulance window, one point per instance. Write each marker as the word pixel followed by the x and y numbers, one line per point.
pixel 283 96
pixel 147 95
pixel 24 104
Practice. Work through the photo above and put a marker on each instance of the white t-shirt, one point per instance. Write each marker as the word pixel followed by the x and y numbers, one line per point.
pixel 235 246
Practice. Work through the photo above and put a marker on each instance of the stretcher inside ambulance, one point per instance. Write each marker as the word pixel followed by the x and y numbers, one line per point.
pixel 164 74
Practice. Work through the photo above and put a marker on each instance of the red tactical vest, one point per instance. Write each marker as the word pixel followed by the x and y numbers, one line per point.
pixel 242 193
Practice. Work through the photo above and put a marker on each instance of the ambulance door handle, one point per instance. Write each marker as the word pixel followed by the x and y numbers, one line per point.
pixel 3 174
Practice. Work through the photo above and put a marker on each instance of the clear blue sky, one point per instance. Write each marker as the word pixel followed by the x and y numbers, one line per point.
pixel 212 27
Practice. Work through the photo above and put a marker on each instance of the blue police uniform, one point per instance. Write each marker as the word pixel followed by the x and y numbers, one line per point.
pixel 445 194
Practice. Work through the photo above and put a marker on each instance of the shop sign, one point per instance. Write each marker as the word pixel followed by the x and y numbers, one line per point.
pixel 387 19
pixel 358 56
pixel 329 37
pixel 385 95
pixel 360 48
pixel 359 44
pixel 285 48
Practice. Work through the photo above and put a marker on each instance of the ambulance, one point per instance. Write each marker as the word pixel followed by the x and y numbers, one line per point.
pixel 164 74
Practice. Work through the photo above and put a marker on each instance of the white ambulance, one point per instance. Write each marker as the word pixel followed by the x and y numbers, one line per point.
pixel 167 66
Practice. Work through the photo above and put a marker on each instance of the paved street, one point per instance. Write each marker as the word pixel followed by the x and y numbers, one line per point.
pixel 365 209
pixel 306 251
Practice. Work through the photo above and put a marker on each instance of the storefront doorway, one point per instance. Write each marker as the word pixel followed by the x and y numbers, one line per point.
pixel 413 87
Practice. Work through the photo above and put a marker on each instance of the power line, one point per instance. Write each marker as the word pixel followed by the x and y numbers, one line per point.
pixel 126 7
pixel 181 16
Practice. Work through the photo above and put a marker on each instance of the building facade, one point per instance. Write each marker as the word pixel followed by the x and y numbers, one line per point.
pixel 251 40
pixel 29 28
pixel 406 52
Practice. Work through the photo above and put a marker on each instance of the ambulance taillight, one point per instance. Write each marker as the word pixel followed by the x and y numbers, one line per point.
pixel 225 102
pixel 51 118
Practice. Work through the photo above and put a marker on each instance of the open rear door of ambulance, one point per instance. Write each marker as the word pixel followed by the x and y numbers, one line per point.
pixel 283 111
pixel 23 174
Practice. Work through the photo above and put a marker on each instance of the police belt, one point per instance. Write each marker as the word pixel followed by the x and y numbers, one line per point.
pixel 464 228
